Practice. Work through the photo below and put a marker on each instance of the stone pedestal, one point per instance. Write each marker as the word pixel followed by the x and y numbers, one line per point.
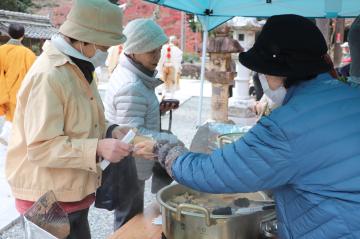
pixel 244 30
pixel 220 93
pixel 240 103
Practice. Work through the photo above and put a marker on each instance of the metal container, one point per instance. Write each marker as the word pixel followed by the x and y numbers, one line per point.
pixel 206 139
pixel 188 221
pixel 33 231
pixel 228 138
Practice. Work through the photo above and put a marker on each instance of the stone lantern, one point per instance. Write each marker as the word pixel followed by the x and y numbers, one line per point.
pixel 220 71
pixel 244 31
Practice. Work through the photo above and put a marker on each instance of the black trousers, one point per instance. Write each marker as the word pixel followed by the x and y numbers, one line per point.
pixel 79 225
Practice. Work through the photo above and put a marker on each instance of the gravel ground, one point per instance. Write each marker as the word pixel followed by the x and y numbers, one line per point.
pixel 101 221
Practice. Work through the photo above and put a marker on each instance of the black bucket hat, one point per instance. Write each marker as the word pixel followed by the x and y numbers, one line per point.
pixel 290 46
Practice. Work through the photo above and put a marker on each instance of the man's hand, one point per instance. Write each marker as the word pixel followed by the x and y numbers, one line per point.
pixel 144 150
pixel 113 150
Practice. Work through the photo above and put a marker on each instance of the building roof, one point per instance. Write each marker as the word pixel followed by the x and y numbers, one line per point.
pixel 36 26
pixel 222 43
pixel 246 23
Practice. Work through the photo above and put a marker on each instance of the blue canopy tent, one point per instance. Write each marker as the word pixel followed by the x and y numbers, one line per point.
pixel 213 13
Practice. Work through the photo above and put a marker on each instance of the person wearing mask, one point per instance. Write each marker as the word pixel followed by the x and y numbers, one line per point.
pixel 131 101
pixel 354 45
pixel 306 151
pixel 59 125
pixel 15 62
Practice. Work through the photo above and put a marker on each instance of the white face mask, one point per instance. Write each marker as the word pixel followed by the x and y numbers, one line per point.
pixel 276 96
pixel 99 58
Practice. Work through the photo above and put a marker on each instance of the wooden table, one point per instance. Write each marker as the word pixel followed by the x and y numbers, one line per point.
pixel 140 226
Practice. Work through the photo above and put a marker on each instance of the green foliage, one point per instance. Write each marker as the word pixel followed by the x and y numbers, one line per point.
pixel 343 79
pixel 193 23
pixel 114 1
pixel 36 49
pixel 190 57
pixel 15 5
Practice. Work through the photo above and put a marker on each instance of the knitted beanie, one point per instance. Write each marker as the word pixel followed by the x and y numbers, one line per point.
pixel 143 35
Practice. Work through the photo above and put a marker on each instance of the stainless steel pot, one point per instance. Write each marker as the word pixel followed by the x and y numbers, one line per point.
pixel 188 221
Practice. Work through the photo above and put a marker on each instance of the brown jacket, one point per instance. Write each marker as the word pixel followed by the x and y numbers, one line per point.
pixel 58 120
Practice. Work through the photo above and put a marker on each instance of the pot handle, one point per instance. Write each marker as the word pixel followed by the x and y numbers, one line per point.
pixel 269 226
pixel 182 206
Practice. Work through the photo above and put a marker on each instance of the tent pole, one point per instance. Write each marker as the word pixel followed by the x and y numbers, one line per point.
pixel 202 76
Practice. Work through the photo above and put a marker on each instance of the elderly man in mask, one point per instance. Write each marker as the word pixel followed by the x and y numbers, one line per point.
pixel 59 125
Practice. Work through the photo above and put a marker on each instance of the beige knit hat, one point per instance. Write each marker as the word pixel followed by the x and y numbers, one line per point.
pixel 94 21
pixel 143 35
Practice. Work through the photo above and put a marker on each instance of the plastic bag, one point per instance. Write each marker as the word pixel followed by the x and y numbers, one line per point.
pixel 118 185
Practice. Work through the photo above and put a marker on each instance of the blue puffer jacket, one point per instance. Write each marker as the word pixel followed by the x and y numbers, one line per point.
pixel 307 152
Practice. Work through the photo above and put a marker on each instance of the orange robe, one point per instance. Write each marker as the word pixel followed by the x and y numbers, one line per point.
pixel 15 61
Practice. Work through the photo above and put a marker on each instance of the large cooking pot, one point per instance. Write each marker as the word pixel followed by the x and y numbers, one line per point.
pixel 189 221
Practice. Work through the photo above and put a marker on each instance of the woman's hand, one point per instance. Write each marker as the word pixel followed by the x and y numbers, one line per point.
pixel 144 150
pixel 260 108
pixel 112 150
pixel 167 154
pixel 168 104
